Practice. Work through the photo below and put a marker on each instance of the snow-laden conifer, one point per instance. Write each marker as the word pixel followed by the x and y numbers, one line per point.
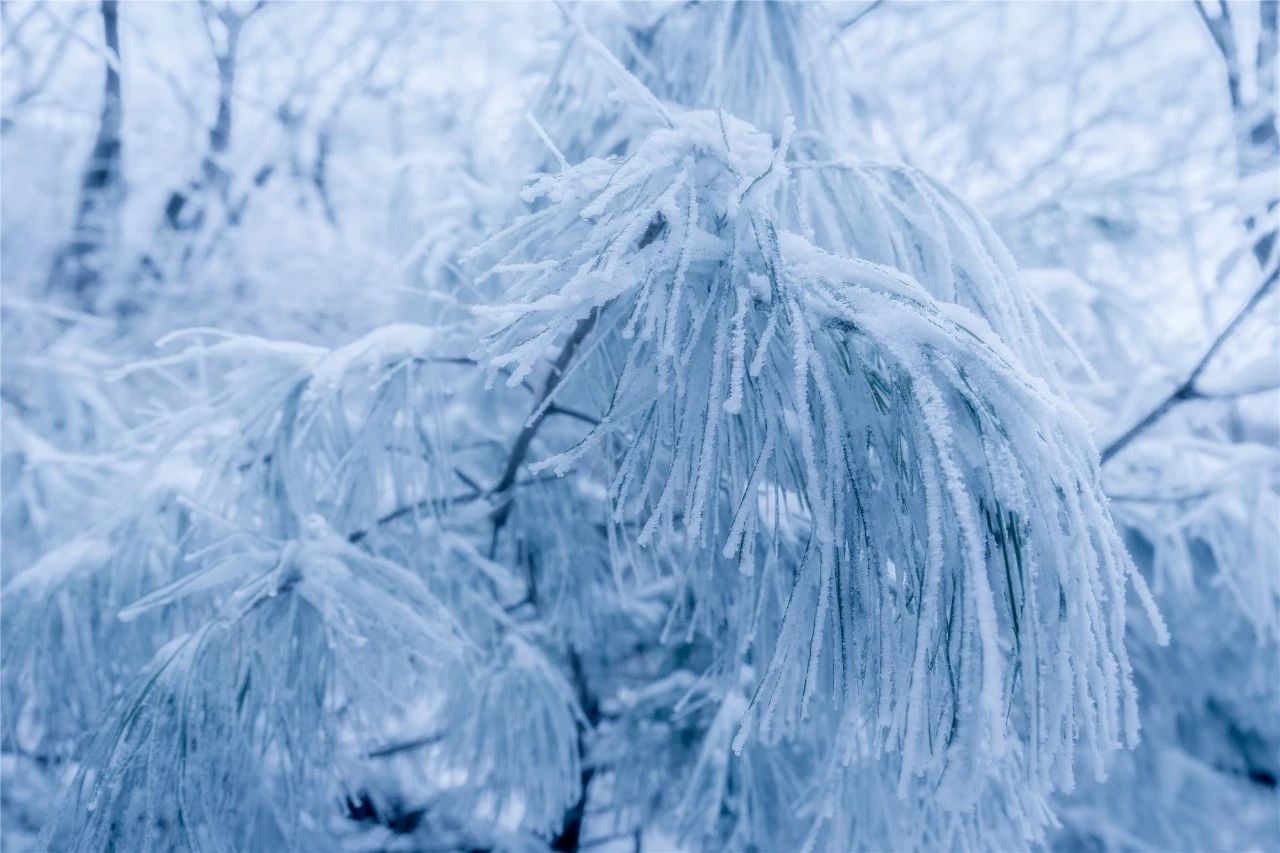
pixel 921 538
pixel 771 525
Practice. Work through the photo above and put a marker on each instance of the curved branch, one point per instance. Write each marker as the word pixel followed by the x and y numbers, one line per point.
pixel 857 19
pixel 1187 389
pixel 521 447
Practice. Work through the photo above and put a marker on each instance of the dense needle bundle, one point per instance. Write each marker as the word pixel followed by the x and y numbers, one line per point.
pixel 916 518
pixel 830 551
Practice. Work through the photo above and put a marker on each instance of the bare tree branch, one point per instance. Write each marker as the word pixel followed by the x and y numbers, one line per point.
pixel 1187 389
pixel 521 447
pixel 856 19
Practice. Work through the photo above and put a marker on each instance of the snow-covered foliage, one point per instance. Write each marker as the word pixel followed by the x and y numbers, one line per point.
pixel 630 444
pixel 826 420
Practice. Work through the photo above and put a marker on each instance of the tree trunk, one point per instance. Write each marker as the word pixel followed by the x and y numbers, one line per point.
pixel 80 266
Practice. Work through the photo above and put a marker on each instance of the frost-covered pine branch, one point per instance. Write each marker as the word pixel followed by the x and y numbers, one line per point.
pixel 914 515
pixel 750 508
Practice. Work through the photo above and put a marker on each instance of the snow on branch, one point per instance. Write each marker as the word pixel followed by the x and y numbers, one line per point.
pixel 954 579
pixel 238 715
pixel 304 644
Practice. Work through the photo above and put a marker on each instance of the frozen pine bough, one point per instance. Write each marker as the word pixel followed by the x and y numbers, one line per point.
pixel 924 574
pixel 749 513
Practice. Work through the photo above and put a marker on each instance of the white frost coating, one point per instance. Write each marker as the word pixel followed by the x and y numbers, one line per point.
pixel 825 565
pixel 852 359
pixel 56 565
pixel 733 403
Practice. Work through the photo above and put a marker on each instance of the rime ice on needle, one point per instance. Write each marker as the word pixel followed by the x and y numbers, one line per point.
pixel 1005 635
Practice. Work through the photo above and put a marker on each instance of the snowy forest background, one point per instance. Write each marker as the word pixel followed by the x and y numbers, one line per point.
pixel 495 426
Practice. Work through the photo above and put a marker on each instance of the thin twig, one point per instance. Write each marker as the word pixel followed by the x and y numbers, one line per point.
pixel 856 19
pixel 520 449
pixel 1187 389
pixel 441 504
pixel 405 746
